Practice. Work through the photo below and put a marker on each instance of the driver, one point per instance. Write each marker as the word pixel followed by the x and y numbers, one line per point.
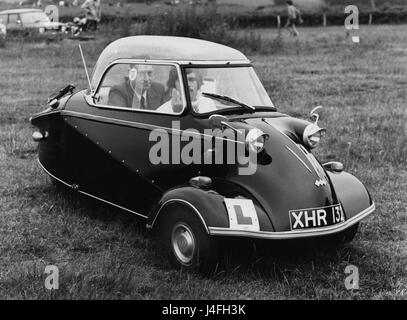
pixel 138 90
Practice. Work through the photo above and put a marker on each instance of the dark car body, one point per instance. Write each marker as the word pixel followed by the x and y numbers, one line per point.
pixel 102 152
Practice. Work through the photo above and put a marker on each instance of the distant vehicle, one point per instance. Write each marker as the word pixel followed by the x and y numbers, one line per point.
pixel 3 31
pixel 28 2
pixel 29 22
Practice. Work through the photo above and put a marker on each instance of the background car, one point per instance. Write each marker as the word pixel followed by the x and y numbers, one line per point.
pixel 29 22
pixel 3 31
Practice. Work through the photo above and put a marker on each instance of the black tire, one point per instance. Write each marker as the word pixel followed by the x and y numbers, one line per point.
pixel 339 239
pixel 55 183
pixel 179 226
pixel 349 234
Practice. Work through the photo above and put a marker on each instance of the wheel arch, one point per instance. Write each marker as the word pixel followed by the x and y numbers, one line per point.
pixel 351 192
pixel 154 220
pixel 207 205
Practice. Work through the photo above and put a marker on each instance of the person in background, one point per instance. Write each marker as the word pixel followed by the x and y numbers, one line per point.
pixel 294 16
pixel 93 13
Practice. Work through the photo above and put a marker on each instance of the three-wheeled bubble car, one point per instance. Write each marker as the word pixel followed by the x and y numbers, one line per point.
pixel 182 133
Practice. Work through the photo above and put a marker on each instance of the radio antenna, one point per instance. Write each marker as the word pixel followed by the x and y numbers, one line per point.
pixel 86 69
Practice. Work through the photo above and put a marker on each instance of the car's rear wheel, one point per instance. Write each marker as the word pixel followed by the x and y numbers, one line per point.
pixel 186 242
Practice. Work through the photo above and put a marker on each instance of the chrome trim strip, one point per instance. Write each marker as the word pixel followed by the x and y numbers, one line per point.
pixel 88 116
pixel 51 175
pixel 294 234
pixel 281 132
pixel 150 226
pixel 139 125
pixel 45 112
pixel 214 62
pixel 88 194
pixel 299 159
pixel 182 62
pixel 113 204
pixel 300 147
pixel 314 163
pixel 295 144
pixel 104 106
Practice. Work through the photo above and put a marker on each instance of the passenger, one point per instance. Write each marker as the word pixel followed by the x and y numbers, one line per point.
pixel 172 78
pixel 200 104
pixel 138 90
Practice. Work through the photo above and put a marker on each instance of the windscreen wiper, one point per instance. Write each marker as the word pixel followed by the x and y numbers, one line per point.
pixel 228 99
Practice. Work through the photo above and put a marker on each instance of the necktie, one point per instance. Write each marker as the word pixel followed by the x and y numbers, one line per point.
pixel 142 101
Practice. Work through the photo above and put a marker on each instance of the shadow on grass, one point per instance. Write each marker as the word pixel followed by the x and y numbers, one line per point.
pixel 236 253
pixel 267 257
pixel 109 248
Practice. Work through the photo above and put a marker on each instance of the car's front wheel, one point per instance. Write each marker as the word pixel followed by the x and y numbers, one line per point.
pixel 339 239
pixel 186 241
pixel 349 234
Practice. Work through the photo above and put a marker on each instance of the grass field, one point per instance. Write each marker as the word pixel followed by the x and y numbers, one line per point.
pixel 133 8
pixel 103 253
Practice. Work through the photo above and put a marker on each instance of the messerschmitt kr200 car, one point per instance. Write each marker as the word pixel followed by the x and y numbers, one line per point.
pixel 182 133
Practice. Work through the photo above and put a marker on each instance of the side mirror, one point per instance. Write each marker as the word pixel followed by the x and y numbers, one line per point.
pixel 314 116
pixel 217 121
pixel 220 122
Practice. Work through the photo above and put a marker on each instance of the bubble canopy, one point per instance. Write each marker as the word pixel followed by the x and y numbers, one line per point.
pixel 163 48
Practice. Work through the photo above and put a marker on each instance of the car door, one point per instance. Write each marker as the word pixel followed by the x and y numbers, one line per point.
pixel 3 19
pixel 113 134
pixel 14 24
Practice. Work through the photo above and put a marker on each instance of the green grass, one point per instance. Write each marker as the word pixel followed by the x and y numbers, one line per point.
pixel 105 253
pixel 235 7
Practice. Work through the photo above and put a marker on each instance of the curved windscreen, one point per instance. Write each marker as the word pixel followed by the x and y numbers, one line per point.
pixel 214 88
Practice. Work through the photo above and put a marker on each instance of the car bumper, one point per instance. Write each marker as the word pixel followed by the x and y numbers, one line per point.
pixel 216 231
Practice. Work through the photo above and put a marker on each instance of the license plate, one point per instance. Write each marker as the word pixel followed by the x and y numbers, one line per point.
pixel 316 217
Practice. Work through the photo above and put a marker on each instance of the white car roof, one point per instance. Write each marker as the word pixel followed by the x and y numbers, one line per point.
pixel 20 11
pixel 165 48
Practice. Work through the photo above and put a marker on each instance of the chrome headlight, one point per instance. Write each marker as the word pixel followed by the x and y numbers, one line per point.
pixel 255 140
pixel 312 135
pixel 41 30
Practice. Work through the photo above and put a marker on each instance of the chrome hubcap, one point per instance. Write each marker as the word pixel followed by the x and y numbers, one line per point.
pixel 183 242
